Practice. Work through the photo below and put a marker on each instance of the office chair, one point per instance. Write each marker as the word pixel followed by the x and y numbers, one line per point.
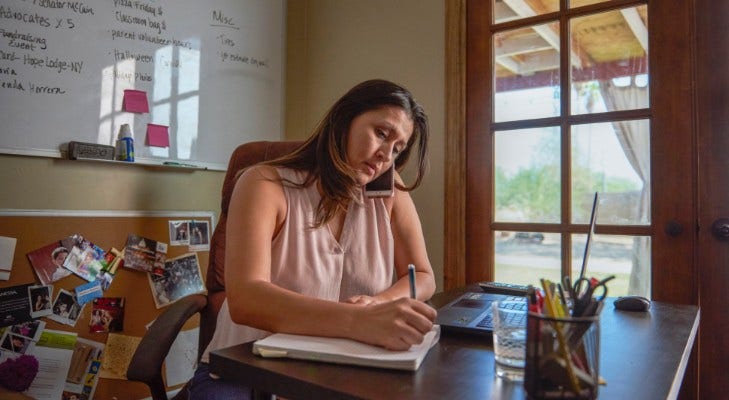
pixel 146 364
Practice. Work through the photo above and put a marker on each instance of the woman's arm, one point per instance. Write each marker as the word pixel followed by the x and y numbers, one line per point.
pixel 409 249
pixel 255 214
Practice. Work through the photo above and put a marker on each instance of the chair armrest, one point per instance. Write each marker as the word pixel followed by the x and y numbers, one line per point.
pixel 146 364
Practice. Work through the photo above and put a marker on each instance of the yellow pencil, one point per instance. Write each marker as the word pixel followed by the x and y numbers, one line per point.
pixel 552 310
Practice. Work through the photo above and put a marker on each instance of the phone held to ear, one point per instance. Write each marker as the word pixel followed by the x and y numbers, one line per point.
pixel 383 185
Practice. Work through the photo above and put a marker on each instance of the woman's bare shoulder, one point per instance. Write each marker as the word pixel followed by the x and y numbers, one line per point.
pixel 259 181
pixel 259 189
pixel 258 177
pixel 261 172
pixel 259 194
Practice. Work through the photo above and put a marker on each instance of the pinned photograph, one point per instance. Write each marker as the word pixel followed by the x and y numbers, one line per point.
pixel 85 258
pixel 113 259
pixel 66 395
pixel 182 277
pixel 48 260
pixel 40 300
pixel 179 233
pixel 199 236
pixel 15 343
pixel 107 315
pixel 66 309
pixel 144 254
pixel 29 329
pixel 19 338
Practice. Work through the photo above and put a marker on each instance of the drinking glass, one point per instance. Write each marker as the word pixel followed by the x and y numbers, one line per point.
pixel 509 339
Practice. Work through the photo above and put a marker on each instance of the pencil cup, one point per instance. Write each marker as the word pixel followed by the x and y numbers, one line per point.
pixel 562 357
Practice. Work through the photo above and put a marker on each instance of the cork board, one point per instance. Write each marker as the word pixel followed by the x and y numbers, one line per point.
pixel 107 229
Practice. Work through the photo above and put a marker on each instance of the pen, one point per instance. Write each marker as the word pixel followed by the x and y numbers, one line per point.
pixel 411 278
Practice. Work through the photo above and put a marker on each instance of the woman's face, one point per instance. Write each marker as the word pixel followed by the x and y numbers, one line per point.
pixel 60 258
pixel 376 137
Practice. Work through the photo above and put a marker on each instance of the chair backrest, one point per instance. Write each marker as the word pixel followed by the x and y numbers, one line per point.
pixel 243 156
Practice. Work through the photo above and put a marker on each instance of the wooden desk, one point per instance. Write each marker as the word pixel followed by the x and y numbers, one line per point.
pixel 642 356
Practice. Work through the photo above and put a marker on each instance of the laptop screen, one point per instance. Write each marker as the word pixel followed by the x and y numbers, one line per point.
pixel 471 312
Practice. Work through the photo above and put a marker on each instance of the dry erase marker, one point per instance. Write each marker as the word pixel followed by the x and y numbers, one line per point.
pixel 411 278
pixel 179 164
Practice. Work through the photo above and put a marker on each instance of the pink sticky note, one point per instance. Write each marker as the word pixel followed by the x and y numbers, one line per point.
pixel 157 135
pixel 135 101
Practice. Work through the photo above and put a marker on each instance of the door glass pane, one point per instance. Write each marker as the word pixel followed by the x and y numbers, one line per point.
pixel 613 159
pixel 526 257
pixel 526 75
pixel 626 257
pixel 508 10
pixel 527 175
pixel 609 61
pixel 580 3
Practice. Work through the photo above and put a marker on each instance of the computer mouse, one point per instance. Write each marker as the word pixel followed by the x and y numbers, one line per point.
pixel 632 303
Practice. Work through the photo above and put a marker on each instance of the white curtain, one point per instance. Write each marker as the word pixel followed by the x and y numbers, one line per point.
pixel 634 137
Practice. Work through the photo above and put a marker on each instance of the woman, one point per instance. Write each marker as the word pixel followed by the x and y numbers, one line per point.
pixel 308 253
pixel 58 257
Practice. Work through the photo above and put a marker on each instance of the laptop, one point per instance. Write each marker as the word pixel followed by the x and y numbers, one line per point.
pixel 471 312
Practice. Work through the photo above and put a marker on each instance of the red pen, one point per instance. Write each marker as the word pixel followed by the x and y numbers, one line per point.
pixel 539 305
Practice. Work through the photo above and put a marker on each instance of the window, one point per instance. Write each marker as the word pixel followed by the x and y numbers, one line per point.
pixel 561 110
pixel 175 71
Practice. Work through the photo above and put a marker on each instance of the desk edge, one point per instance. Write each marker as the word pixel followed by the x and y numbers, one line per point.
pixel 681 370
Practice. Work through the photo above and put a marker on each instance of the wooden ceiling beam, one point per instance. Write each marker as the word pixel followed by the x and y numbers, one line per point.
pixel 511 46
pixel 523 9
pixel 636 25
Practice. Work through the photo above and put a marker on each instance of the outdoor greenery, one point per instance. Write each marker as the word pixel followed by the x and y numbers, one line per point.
pixel 535 191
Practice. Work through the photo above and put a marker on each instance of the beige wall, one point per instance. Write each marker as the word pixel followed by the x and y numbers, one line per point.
pixel 334 44
pixel 54 184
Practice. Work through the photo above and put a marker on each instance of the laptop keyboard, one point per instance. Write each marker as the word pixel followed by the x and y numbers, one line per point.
pixel 519 304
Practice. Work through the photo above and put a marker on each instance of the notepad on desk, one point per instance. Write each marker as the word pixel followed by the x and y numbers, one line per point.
pixel 345 351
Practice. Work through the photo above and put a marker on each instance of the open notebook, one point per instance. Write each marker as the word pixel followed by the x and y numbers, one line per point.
pixel 345 351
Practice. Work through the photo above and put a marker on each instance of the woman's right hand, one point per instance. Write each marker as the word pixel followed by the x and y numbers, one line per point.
pixel 394 325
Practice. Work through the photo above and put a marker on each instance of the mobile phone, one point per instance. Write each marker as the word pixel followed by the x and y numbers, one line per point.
pixel 383 185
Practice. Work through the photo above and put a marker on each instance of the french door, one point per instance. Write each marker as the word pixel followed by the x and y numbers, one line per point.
pixel 560 105
pixel 550 101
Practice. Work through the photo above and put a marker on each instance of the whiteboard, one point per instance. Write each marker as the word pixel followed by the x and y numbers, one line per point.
pixel 212 72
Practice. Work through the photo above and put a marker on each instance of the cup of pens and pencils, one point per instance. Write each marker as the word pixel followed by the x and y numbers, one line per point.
pixel 563 339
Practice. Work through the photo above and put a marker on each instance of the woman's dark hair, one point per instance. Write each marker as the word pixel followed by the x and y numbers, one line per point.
pixel 324 154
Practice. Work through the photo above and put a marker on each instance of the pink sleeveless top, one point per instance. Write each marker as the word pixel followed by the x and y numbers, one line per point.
pixel 312 262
